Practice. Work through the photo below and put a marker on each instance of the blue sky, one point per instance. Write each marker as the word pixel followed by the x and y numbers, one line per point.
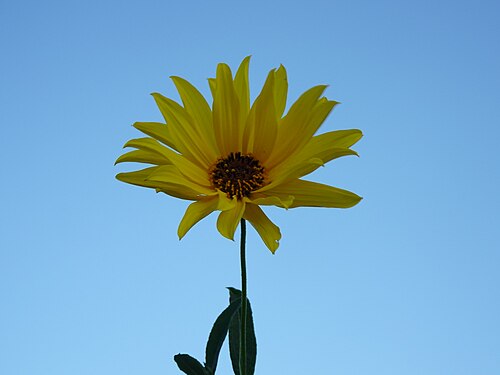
pixel 93 279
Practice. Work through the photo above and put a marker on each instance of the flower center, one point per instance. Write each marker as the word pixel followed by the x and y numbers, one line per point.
pixel 237 175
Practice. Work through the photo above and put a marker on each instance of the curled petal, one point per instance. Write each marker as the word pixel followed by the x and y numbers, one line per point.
pixel 225 203
pixel 143 156
pixel 280 91
pixel 336 139
pixel 195 212
pixel 158 131
pixel 151 145
pixel 262 199
pixel 228 220
pixel 268 231
pixel 140 178
pixel 313 194
pixel 213 85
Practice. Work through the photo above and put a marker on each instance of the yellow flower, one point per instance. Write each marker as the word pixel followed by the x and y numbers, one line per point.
pixel 234 157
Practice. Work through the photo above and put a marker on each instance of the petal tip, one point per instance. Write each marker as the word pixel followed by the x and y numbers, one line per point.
pixel 274 248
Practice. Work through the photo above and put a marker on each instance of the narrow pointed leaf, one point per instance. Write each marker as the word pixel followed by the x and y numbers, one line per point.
pixel 234 336
pixel 190 365
pixel 218 334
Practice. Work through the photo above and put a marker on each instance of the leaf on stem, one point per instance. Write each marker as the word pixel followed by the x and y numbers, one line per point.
pixel 234 336
pixel 190 365
pixel 218 334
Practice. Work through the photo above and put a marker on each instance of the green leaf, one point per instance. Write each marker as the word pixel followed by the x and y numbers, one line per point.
pixel 190 365
pixel 218 335
pixel 234 336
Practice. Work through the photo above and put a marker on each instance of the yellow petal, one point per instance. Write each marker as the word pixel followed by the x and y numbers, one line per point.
pixel 142 156
pixel 280 91
pixel 139 178
pixel 291 171
pixel 267 230
pixel 170 174
pixel 197 107
pixel 195 212
pixel 225 203
pixel 313 194
pixel 264 122
pixel 249 132
pixel 262 199
pixel 318 115
pixel 158 131
pixel 227 127
pixel 331 145
pixel 228 220
pixel 187 136
pixel 212 84
pixel 337 138
pixel 242 88
pixel 303 164
pixel 328 154
pixel 190 170
pixel 320 150
pixel 149 144
pixel 178 191
pixel 293 130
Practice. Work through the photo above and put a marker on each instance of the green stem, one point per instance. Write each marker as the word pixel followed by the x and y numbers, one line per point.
pixel 243 330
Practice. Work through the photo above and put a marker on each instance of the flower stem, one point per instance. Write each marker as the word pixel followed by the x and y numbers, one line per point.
pixel 243 330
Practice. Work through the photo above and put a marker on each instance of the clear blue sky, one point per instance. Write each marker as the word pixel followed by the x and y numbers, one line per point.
pixel 93 279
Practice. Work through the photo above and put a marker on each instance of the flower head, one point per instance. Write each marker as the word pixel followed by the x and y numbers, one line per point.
pixel 234 157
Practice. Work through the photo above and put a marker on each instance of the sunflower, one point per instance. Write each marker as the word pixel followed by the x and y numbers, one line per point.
pixel 235 157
